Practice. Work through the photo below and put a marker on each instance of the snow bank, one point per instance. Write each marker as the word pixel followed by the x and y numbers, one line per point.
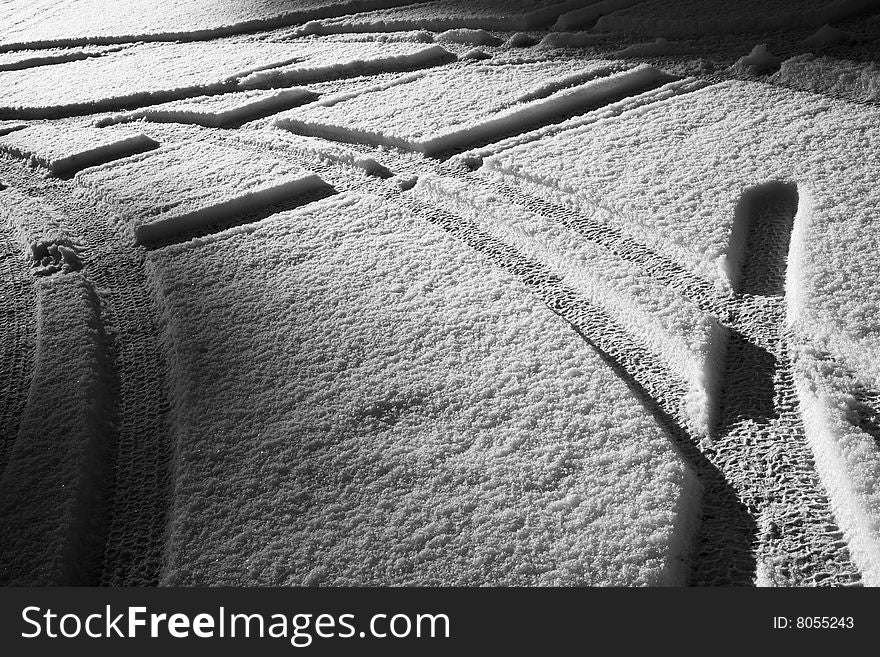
pixel 441 15
pixel 217 111
pixel 827 36
pixel 658 46
pixel 453 108
pixel 695 17
pixel 361 58
pixel 66 149
pixel 44 234
pixel 570 40
pixel 181 188
pixel 109 21
pixel 419 424
pixel 51 491
pixel 847 454
pixel 858 81
pixel 688 340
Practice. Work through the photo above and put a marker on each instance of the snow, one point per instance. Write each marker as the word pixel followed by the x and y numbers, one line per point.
pixel 695 17
pixel 658 46
pixel 180 188
pixel 520 40
pixel 569 40
pixel 9 126
pixel 50 491
pixel 758 61
pixel 847 456
pixel 161 72
pixel 587 15
pixel 417 425
pixel 359 58
pixel 109 21
pixel 858 81
pixel 63 150
pixel 469 37
pixel 688 340
pixel 44 233
pixel 217 111
pixel 452 108
pixel 441 15
pixel 18 59
pixel 827 36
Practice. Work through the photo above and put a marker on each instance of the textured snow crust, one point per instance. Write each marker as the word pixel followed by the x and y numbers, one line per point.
pixel 179 188
pixel 63 150
pixel 858 81
pixel 50 492
pixel 417 424
pixel 217 111
pixel 687 339
pixel 445 109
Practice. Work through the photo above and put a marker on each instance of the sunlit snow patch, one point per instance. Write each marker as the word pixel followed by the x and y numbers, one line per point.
pixel 217 111
pixel 443 110
pixel 424 420
pixel 181 188
pixel 688 340
pixel 63 150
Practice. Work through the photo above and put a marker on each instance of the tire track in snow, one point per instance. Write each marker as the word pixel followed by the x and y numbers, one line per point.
pixel 759 451
pixel 724 546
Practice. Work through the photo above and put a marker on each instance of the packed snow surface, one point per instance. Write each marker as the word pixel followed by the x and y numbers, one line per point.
pixel 417 425
pixel 161 72
pixel 858 81
pixel 108 20
pixel 180 188
pixel 687 339
pixel 65 149
pixel 50 492
pixel 217 111
pixel 454 107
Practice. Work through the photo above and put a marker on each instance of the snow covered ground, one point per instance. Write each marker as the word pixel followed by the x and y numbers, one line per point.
pixel 575 292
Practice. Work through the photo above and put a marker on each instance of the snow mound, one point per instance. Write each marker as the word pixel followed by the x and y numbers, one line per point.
pixel 367 58
pixel 695 17
pixel 469 37
pixel 181 188
pixel 758 62
pixel 43 233
pixel 442 110
pixel 827 36
pixel 589 14
pixel 218 111
pixel 51 491
pixel 63 150
pixel 842 426
pixel 109 21
pixel 418 425
pixel 858 81
pixel 476 53
pixel 442 15
pixel 520 40
pixel 688 340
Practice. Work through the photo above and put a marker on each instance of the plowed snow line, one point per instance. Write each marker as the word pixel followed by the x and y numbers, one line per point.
pixel 724 546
